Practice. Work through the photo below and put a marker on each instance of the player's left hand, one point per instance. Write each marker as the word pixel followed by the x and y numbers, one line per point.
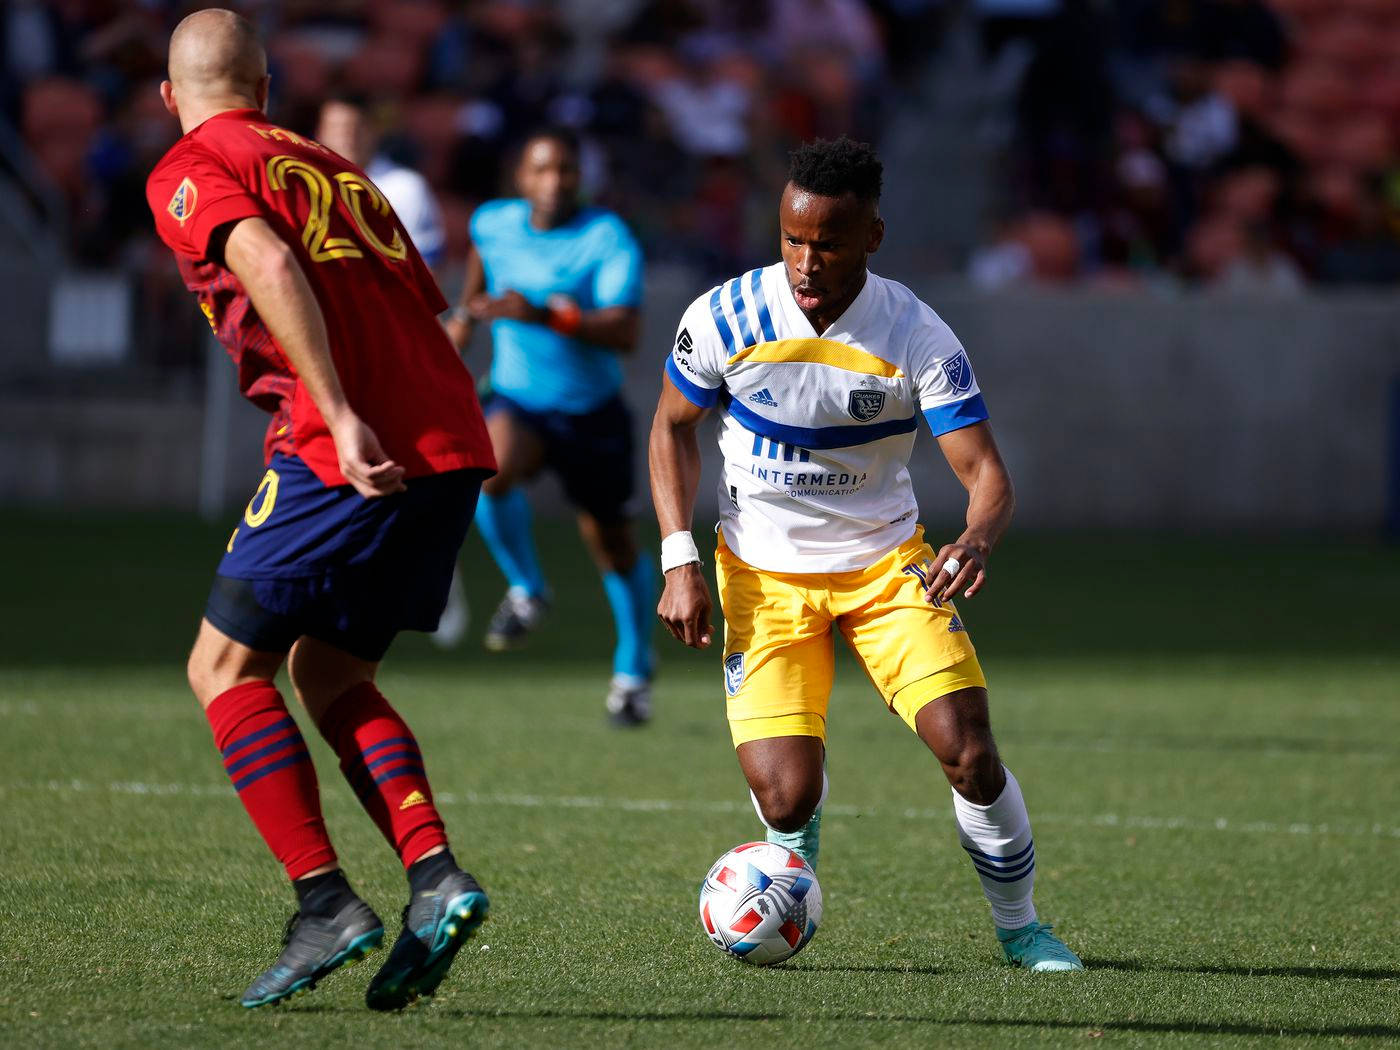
pixel 971 565
pixel 363 460
pixel 510 305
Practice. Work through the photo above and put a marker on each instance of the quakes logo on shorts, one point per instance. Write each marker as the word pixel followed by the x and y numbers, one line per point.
pixel 733 673
pixel 182 204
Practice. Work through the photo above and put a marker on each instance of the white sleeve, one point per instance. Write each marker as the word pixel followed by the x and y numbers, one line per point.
pixel 947 389
pixel 698 356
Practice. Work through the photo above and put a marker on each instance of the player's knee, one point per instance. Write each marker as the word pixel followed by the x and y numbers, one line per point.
pixel 788 806
pixel 977 774
pixel 209 672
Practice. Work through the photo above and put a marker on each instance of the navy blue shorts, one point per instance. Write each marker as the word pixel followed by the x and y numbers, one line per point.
pixel 330 564
pixel 591 452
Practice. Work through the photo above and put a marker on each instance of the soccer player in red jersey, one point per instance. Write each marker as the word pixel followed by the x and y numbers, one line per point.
pixel 376 453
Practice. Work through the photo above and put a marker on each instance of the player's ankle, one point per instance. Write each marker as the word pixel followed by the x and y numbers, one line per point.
pixel 426 872
pixel 323 894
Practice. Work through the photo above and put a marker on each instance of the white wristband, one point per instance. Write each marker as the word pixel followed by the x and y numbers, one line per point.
pixel 678 549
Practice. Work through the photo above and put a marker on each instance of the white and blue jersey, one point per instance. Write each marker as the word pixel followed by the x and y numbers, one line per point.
pixel 595 261
pixel 817 427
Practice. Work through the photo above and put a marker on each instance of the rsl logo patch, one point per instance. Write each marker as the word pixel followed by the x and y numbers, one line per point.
pixel 733 673
pixel 181 205
pixel 865 405
pixel 958 369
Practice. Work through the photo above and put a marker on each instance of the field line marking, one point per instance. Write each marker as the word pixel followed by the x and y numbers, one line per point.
pixel 1127 822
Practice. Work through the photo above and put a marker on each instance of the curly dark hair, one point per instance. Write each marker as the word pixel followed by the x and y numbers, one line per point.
pixel 837 167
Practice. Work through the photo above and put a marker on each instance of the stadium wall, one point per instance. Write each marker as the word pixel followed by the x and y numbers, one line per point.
pixel 1111 410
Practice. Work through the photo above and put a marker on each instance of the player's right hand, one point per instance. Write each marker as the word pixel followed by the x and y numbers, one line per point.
pixel 685 606
pixel 363 460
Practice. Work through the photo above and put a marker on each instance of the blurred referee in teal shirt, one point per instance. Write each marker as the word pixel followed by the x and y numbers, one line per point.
pixel 560 285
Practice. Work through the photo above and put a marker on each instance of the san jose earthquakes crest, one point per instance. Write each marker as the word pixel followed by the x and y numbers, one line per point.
pixel 865 405
pixel 958 369
pixel 733 673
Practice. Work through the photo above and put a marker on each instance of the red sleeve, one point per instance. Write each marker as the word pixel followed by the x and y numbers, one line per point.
pixel 191 195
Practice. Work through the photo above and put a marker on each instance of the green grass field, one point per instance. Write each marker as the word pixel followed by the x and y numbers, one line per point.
pixel 1207 731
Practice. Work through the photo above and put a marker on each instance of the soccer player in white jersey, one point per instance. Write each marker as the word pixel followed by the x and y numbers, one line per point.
pixel 820 370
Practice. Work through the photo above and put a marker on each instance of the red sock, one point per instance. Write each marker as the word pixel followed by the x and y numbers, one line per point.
pixel 266 759
pixel 381 760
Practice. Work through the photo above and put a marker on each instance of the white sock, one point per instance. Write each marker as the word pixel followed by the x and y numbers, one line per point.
pixel 998 839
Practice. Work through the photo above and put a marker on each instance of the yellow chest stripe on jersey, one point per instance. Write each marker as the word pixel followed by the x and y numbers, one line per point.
pixel 819 352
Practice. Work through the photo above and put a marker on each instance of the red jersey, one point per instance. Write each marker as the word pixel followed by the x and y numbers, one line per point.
pixel 399 371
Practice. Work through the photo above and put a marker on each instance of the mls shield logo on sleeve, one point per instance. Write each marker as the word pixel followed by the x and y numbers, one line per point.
pixel 733 673
pixel 683 343
pixel 958 369
pixel 181 205
pixel 865 405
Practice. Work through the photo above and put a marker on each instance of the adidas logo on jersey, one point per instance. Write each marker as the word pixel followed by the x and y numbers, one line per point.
pixel 763 397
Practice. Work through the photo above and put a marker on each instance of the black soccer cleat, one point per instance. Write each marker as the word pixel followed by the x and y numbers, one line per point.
pixel 314 946
pixel 436 924
pixel 629 702
pixel 516 616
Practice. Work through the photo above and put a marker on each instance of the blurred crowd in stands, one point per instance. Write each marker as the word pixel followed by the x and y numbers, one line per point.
pixel 1243 145
pixel 1235 144
pixel 686 107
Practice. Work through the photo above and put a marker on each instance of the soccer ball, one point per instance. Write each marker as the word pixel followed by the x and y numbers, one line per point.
pixel 760 903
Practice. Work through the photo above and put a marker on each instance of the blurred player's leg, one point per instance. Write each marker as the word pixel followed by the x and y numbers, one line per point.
pixel 265 757
pixel 456 618
pixel 504 520
pixel 380 758
pixel 505 523
pixel 993 826
pixel 630 584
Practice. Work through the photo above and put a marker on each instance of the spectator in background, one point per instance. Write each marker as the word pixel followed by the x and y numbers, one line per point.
pixel 345 126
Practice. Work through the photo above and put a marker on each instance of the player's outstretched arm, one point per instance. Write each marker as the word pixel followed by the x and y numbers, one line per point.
pixel 972 453
pixel 280 292
pixel 674 457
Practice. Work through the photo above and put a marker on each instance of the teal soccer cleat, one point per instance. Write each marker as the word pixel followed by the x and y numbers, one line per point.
pixel 805 841
pixel 436 924
pixel 313 947
pixel 1035 948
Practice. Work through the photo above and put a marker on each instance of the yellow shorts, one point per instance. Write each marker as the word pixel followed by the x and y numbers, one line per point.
pixel 779 658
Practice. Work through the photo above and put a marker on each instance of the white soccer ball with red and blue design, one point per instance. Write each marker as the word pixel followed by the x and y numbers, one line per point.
pixel 760 903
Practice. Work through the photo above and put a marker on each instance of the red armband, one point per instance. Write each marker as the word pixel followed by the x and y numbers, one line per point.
pixel 564 314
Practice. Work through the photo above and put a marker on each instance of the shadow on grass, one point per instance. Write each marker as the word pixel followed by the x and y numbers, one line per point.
pixel 927 971
pixel 1326 973
pixel 673 1016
